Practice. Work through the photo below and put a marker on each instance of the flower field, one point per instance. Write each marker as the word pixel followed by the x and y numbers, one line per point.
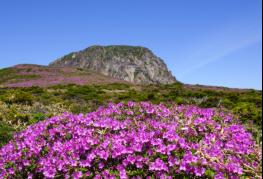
pixel 134 140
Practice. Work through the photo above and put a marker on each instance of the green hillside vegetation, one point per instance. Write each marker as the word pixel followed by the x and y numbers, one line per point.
pixel 10 74
pixel 20 107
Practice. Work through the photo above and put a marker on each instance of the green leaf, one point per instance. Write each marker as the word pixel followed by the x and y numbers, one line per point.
pixel 210 173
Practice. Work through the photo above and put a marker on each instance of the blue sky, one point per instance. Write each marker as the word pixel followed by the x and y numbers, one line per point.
pixel 213 42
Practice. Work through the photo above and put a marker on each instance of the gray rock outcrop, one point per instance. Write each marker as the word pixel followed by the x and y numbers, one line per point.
pixel 131 63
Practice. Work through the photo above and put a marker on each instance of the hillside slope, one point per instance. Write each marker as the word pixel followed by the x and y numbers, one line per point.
pixel 26 75
pixel 133 64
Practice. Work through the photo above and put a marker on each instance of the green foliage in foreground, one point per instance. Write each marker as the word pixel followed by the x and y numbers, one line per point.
pixel 20 107
pixel 5 133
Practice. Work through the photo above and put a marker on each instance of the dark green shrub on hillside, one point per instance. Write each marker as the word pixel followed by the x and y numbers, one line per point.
pixel 5 74
pixel 151 97
pixel 18 97
pixel 233 97
pixel 227 103
pixel 180 100
pixel 124 97
pixel 79 108
pixel 115 86
pixel 211 102
pixel 176 85
pixel 37 117
pixel 22 117
pixel 81 92
pixel 34 90
pixel 248 112
pixel 174 93
pixel 6 132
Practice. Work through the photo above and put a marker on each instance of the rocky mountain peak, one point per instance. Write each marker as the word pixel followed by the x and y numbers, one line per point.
pixel 130 63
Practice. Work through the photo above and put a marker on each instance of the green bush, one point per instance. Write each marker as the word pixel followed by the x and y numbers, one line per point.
pixel 248 112
pixel 22 117
pixel 211 102
pixel 179 100
pixel 6 132
pixel 37 117
pixel 18 97
pixel 79 108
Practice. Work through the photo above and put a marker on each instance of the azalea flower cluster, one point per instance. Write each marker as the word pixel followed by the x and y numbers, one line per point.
pixel 133 140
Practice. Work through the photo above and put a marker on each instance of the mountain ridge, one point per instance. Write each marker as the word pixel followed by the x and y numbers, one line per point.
pixel 28 75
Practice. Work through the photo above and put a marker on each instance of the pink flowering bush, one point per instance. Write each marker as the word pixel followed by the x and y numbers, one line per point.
pixel 133 140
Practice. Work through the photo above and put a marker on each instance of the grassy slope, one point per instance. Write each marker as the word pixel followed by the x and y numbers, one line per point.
pixel 26 75
pixel 11 75
pixel 20 107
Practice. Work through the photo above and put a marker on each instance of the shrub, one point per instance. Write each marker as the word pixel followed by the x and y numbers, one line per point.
pixel 22 117
pixel 36 118
pixel 5 133
pixel 78 108
pixel 211 102
pixel 18 97
pixel 134 140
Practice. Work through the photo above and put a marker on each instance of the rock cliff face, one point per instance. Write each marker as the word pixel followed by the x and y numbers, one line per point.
pixel 134 64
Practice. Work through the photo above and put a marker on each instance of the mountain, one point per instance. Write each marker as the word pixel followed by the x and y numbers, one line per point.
pixel 26 75
pixel 130 63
